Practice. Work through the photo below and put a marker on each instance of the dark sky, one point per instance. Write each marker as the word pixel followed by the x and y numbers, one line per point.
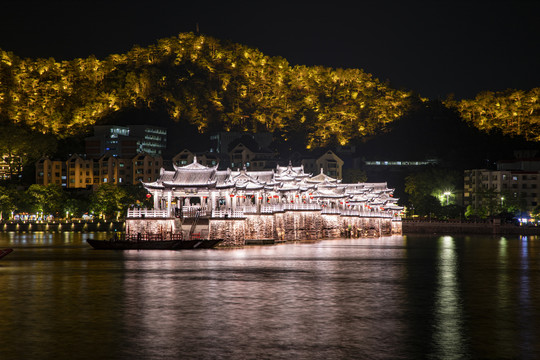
pixel 434 48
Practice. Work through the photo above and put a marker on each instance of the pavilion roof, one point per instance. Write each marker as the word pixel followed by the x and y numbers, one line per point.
pixel 291 172
pixel 322 178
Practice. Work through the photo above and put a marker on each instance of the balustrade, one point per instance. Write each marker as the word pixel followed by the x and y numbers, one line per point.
pixel 146 213
pixel 241 211
pixel 228 214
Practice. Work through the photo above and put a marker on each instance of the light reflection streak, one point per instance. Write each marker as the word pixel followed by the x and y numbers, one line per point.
pixel 527 331
pixel 448 334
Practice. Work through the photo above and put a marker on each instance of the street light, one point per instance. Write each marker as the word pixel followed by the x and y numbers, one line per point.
pixel 447 193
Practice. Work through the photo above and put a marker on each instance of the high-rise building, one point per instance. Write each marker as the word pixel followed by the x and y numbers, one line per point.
pixel 126 141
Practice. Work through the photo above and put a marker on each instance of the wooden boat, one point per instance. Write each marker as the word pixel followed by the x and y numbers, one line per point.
pixel 152 242
pixel 4 252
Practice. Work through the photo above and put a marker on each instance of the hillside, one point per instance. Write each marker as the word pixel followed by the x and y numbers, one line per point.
pixel 209 84
pixel 202 83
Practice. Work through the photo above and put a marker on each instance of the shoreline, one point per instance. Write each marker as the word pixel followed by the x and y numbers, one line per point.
pixel 409 227
pixel 60 226
pixel 451 228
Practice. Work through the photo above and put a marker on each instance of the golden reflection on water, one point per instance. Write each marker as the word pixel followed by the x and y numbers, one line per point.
pixel 448 313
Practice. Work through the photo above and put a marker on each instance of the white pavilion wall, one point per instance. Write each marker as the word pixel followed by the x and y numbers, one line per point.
pixel 283 226
pixel 150 226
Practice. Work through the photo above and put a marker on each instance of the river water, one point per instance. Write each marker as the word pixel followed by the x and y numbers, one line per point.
pixel 400 297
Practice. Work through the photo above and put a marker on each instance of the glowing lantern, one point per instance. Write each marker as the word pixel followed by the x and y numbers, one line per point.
pixel 148 196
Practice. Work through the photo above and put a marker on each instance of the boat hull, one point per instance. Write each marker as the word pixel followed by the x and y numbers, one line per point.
pixel 153 245
pixel 4 252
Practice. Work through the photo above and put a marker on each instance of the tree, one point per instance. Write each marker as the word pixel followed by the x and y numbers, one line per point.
pixel 7 202
pixel 427 206
pixel 48 199
pixel 19 147
pixel 109 201
pixel 354 176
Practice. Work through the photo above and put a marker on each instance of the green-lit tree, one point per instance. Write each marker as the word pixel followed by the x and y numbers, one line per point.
pixel 109 201
pixel 7 201
pixel 48 199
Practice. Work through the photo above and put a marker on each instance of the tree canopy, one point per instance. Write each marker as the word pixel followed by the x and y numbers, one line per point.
pixel 219 85
pixel 211 84
pixel 512 112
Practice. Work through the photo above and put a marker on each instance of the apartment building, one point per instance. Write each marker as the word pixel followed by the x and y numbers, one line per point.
pixel 517 181
pixel 51 171
pixel 126 141
pixel 328 162
pixel 80 172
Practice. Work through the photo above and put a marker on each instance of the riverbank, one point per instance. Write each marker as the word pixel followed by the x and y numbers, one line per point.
pixel 458 227
pixel 409 227
pixel 59 226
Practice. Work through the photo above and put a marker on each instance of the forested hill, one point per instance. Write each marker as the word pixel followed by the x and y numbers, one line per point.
pixel 217 85
pixel 212 84
pixel 510 112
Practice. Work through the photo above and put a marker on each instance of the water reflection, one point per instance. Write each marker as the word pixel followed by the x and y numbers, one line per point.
pixel 527 331
pixel 448 328
pixel 389 298
pixel 306 301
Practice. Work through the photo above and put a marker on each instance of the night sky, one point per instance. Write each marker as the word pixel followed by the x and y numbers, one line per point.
pixel 433 48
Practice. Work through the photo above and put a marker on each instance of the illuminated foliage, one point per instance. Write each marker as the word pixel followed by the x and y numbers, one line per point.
pixel 210 84
pixel 218 85
pixel 513 112
pixel 109 201
pixel 45 198
pixel 7 201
